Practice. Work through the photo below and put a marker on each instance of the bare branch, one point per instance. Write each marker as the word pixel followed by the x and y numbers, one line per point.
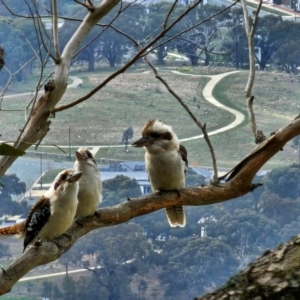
pixel 55 31
pixel 195 25
pixel 90 6
pixel 196 45
pixel 126 66
pixel 169 14
pixel 121 10
pixel 258 134
pixel 239 185
pixel 24 36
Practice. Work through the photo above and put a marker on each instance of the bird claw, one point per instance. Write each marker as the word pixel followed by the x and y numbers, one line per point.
pixel 160 192
pixel 97 214
pixel 80 221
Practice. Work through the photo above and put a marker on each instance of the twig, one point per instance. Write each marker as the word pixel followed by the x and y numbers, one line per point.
pixel 185 30
pixel 121 10
pixel 126 66
pixel 169 14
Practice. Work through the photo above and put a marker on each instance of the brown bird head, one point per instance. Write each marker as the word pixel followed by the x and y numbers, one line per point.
pixel 66 177
pixel 156 136
pixel 83 154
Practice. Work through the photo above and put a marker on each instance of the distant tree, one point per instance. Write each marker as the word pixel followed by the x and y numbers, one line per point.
pixel 73 256
pixel 246 231
pixel 284 181
pixel 47 290
pixel 202 39
pixel 289 230
pixel 4 251
pixel 12 186
pixel 281 210
pixel 291 61
pixel 127 135
pixel 156 16
pixel 193 264
pixel 117 189
pixel 266 38
pixel 120 253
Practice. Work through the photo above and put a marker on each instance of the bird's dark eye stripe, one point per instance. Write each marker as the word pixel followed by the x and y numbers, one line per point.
pixel 89 155
pixel 64 177
pixel 167 136
pixel 155 135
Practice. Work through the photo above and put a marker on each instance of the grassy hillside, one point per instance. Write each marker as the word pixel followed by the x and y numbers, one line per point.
pixel 134 97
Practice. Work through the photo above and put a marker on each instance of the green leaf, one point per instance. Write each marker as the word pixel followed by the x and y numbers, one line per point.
pixel 6 149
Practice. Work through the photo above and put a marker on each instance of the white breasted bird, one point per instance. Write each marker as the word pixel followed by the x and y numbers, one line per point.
pixel 90 185
pixel 54 212
pixel 166 164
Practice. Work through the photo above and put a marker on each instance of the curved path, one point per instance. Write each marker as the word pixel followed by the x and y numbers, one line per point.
pixel 76 82
pixel 207 93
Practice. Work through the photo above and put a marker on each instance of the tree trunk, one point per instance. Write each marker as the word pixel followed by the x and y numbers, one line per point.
pixel 160 56
pixel 194 60
pixel 274 276
pixel 91 67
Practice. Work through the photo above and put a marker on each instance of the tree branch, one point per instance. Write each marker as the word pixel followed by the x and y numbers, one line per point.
pixel 239 185
pixel 258 134
pixel 126 66
pixel 38 124
pixel 55 31
pixel 169 14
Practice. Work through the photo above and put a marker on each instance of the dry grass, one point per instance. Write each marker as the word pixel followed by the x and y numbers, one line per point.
pixel 132 98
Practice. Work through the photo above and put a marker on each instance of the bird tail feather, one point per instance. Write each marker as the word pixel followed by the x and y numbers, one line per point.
pixel 176 216
pixel 16 229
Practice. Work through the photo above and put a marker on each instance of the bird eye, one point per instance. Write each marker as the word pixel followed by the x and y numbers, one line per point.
pixel 64 177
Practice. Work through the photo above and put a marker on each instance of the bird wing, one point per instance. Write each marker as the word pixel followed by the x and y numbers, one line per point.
pixel 37 218
pixel 183 153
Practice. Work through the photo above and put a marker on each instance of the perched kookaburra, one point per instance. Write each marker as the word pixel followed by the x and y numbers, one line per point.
pixel 166 163
pixel 52 214
pixel 90 186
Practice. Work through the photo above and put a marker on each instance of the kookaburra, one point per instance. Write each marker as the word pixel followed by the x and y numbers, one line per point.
pixel 90 186
pixel 52 214
pixel 166 164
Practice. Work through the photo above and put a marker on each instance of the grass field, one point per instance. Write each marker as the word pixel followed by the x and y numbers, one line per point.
pixel 132 98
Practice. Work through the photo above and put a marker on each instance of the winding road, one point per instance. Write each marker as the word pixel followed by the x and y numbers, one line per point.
pixel 207 94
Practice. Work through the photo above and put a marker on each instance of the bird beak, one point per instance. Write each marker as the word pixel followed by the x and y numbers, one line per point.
pixel 144 141
pixel 80 156
pixel 75 177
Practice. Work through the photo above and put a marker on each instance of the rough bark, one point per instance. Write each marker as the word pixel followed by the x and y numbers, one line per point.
pixel 238 185
pixel 274 276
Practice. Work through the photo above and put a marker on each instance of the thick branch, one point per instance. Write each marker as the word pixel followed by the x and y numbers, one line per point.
pixel 239 185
